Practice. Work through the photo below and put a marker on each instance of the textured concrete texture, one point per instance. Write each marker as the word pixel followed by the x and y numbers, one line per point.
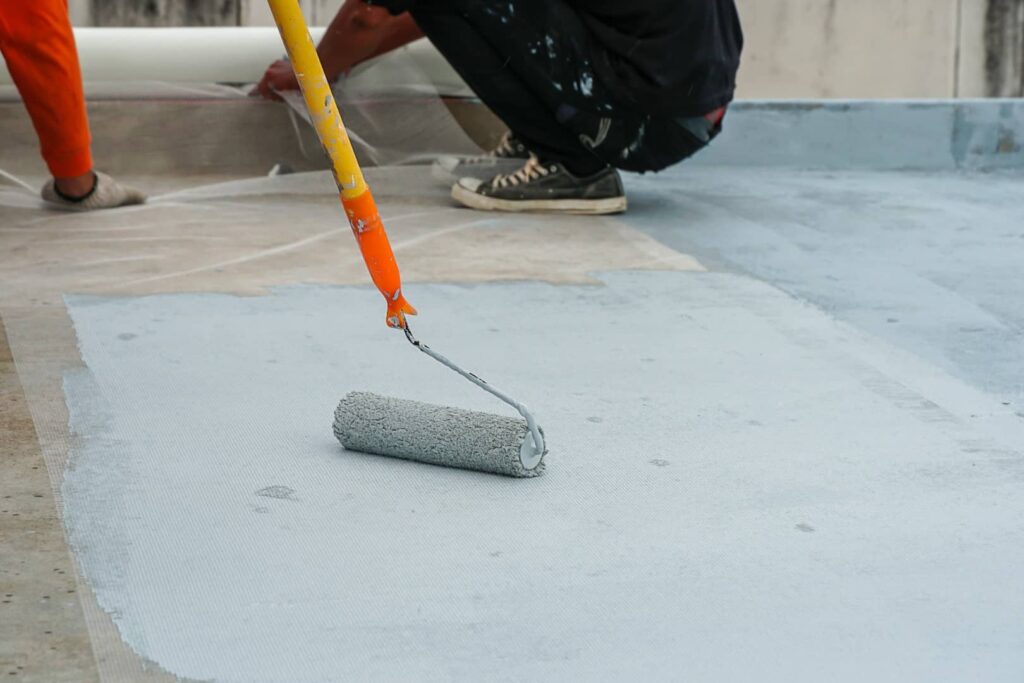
pixel 785 409
pixel 43 636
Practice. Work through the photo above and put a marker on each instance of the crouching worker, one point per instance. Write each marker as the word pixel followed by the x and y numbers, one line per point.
pixel 586 87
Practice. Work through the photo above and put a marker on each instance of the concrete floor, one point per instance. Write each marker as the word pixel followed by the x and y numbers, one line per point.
pixel 786 412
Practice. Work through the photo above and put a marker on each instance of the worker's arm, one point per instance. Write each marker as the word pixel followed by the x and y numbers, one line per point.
pixel 357 33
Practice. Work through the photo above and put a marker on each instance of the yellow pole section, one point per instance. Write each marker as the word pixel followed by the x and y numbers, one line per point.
pixel 319 98
pixel 356 197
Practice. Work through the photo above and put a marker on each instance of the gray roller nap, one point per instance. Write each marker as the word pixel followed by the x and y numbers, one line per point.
pixel 434 434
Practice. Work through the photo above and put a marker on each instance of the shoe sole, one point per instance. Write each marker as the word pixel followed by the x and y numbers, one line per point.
pixel 590 207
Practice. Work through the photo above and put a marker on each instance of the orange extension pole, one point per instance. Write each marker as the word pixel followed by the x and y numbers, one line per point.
pixel 352 188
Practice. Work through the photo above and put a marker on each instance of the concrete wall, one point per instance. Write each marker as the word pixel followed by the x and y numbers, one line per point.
pixel 189 12
pixel 992 58
pixel 795 48
pixel 883 48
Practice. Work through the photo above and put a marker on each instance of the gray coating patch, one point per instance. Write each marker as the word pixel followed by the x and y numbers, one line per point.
pixel 610 568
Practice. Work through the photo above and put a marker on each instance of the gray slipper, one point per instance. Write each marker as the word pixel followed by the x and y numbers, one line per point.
pixel 106 194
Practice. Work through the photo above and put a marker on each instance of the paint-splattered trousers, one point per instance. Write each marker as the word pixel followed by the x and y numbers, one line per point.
pixel 532 62
pixel 39 48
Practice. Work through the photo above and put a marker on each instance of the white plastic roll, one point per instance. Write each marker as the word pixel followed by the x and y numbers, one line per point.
pixel 223 55
pixel 192 55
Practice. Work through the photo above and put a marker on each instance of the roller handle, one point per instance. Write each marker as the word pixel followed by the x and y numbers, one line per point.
pixel 531 452
pixel 353 191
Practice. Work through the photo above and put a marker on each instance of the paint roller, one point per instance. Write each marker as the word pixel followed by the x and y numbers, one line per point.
pixel 384 425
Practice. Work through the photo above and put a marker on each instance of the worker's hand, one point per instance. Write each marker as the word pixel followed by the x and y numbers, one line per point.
pixel 278 78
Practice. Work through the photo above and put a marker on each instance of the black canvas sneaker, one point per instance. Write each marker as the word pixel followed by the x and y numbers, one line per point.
pixel 505 158
pixel 544 186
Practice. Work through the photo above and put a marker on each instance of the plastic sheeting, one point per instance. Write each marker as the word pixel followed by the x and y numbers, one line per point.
pixel 215 55
pixel 394 113
pixel 392 107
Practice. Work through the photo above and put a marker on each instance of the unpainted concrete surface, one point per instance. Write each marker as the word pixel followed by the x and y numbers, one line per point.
pixel 42 630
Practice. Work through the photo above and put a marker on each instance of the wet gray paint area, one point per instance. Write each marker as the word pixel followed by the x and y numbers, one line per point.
pixel 930 262
pixel 803 465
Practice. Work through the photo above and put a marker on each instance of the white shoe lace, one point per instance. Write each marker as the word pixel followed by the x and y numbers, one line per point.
pixel 505 148
pixel 531 170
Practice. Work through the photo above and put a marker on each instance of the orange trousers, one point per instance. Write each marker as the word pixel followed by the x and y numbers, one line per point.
pixel 39 48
